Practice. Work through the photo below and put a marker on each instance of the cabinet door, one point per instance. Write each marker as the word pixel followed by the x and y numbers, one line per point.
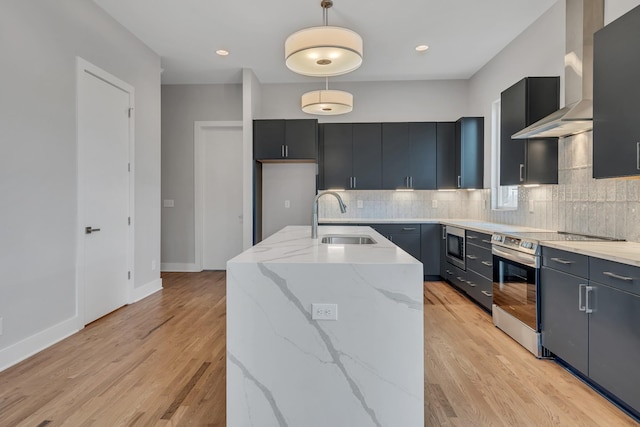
pixel 616 128
pixel 301 139
pixel 470 151
pixel 446 156
pixel 367 156
pixel 395 155
pixel 422 157
pixel 337 155
pixel 430 248
pixel 409 243
pixel 565 329
pixel 614 342
pixel 268 139
pixel 513 113
pixel 541 161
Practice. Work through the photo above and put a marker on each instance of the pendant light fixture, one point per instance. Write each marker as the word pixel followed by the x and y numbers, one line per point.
pixel 323 51
pixel 327 102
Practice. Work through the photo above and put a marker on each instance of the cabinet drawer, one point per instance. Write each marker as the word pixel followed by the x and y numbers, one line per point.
pixel 480 239
pixel 389 229
pixel 480 260
pixel 480 289
pixel 620 276
pixel 568 262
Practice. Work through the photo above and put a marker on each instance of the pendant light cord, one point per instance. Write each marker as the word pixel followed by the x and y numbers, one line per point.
pixel 326 4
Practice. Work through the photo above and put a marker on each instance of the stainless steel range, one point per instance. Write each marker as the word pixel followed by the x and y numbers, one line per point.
pixel 516 284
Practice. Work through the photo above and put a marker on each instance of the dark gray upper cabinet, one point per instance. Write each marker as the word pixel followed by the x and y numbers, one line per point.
pixel 528 161
pixel 409 155
pixel 616 128
pixel 446 177
pixel 469 153
pixel 285 139
pixel 351 156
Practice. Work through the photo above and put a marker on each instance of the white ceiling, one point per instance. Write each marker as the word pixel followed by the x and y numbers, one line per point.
pixel 462 35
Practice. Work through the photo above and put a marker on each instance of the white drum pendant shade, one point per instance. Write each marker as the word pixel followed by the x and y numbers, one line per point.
pixel 327 102
pixel 323 51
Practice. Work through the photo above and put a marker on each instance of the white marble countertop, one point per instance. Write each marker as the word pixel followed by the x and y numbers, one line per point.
pixel 623 252
pixel 469 224
pixel 293 244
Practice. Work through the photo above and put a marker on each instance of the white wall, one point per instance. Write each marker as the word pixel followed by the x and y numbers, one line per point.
pixel 39 42
pixel 436 100
pixel 182 105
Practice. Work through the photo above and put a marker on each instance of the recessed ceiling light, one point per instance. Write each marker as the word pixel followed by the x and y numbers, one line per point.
pixel 422 48
pixel 222 52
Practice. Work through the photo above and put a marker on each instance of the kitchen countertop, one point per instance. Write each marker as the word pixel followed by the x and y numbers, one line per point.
pixel 293 244
pixel 469 224
pixel 622 252
pixel 285 366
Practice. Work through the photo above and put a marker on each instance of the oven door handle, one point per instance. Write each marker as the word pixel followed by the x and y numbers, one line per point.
pixel 528 260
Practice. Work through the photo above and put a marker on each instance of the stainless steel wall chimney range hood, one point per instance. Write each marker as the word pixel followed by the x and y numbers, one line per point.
pixel 583 18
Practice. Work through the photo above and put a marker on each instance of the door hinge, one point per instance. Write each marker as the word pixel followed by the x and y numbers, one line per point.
pixel 128 220
pixel 129 111
pixel 128 275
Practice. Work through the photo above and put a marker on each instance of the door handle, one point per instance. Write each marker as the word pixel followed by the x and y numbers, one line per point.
pixel 581 306
pixel 89 230
pixel 521 172
pixel 588 308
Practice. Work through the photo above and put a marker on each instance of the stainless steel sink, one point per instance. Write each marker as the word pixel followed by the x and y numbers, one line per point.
pixel 341 239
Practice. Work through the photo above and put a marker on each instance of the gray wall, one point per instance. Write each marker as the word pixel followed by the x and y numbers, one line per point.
pixel 182 105
pixel 426 100
pixel 39 42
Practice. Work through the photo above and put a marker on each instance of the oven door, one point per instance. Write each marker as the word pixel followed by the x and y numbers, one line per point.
pixel 516 285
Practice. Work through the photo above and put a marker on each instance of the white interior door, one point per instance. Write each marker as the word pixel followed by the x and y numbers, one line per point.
pixel 103 137
pixel 222 190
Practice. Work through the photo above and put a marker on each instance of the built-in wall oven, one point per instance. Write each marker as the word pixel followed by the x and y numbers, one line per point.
pixel 455 246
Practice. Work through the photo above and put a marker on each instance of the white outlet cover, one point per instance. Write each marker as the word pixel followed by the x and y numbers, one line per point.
pixel 287 204
pixel 434 203
pixel 360 204
pixel 168 203
pixel 531 204
pixel 324 311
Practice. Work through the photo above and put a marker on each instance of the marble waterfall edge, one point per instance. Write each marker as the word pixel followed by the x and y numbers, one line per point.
pixel 285 369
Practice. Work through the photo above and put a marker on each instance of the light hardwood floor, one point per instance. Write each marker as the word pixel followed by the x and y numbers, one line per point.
pixel 161 362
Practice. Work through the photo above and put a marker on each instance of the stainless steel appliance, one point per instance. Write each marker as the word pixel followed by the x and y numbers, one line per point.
pixel 455 253
pixel 516 284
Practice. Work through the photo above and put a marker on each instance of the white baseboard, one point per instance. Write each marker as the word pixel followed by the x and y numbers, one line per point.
pixel 180 267
pixel 144 291
pixel 29 346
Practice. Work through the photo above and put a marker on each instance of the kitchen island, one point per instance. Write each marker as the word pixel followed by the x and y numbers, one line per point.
pixel 286 369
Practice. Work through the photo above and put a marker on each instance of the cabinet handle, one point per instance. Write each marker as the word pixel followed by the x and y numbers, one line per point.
pixel 461 279
pixel 470 283
pixel 449 272
pixel 355 182
pixel 286 151
pixel 637 155
pixel 487 294
pixel 471 237
pixel 408 228
pixel 581 306
pixel 459 181
pixel 486 241
pixel 588 308
pixel 410 182
pixel 617 276
pixel 444 233
pixel 562 261
pixel 472 257
pixel 487 263
pixel 521 172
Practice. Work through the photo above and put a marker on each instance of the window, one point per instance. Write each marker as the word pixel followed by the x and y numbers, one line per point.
pixel 502 197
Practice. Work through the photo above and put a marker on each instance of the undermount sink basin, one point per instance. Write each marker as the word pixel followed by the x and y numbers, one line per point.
pixel 340 239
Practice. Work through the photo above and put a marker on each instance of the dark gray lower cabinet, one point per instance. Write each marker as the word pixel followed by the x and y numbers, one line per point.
pixel 593 326
pixel 565 329
pixel 430 249
pixel 614 342
pixel 406 236
pixel 444 265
